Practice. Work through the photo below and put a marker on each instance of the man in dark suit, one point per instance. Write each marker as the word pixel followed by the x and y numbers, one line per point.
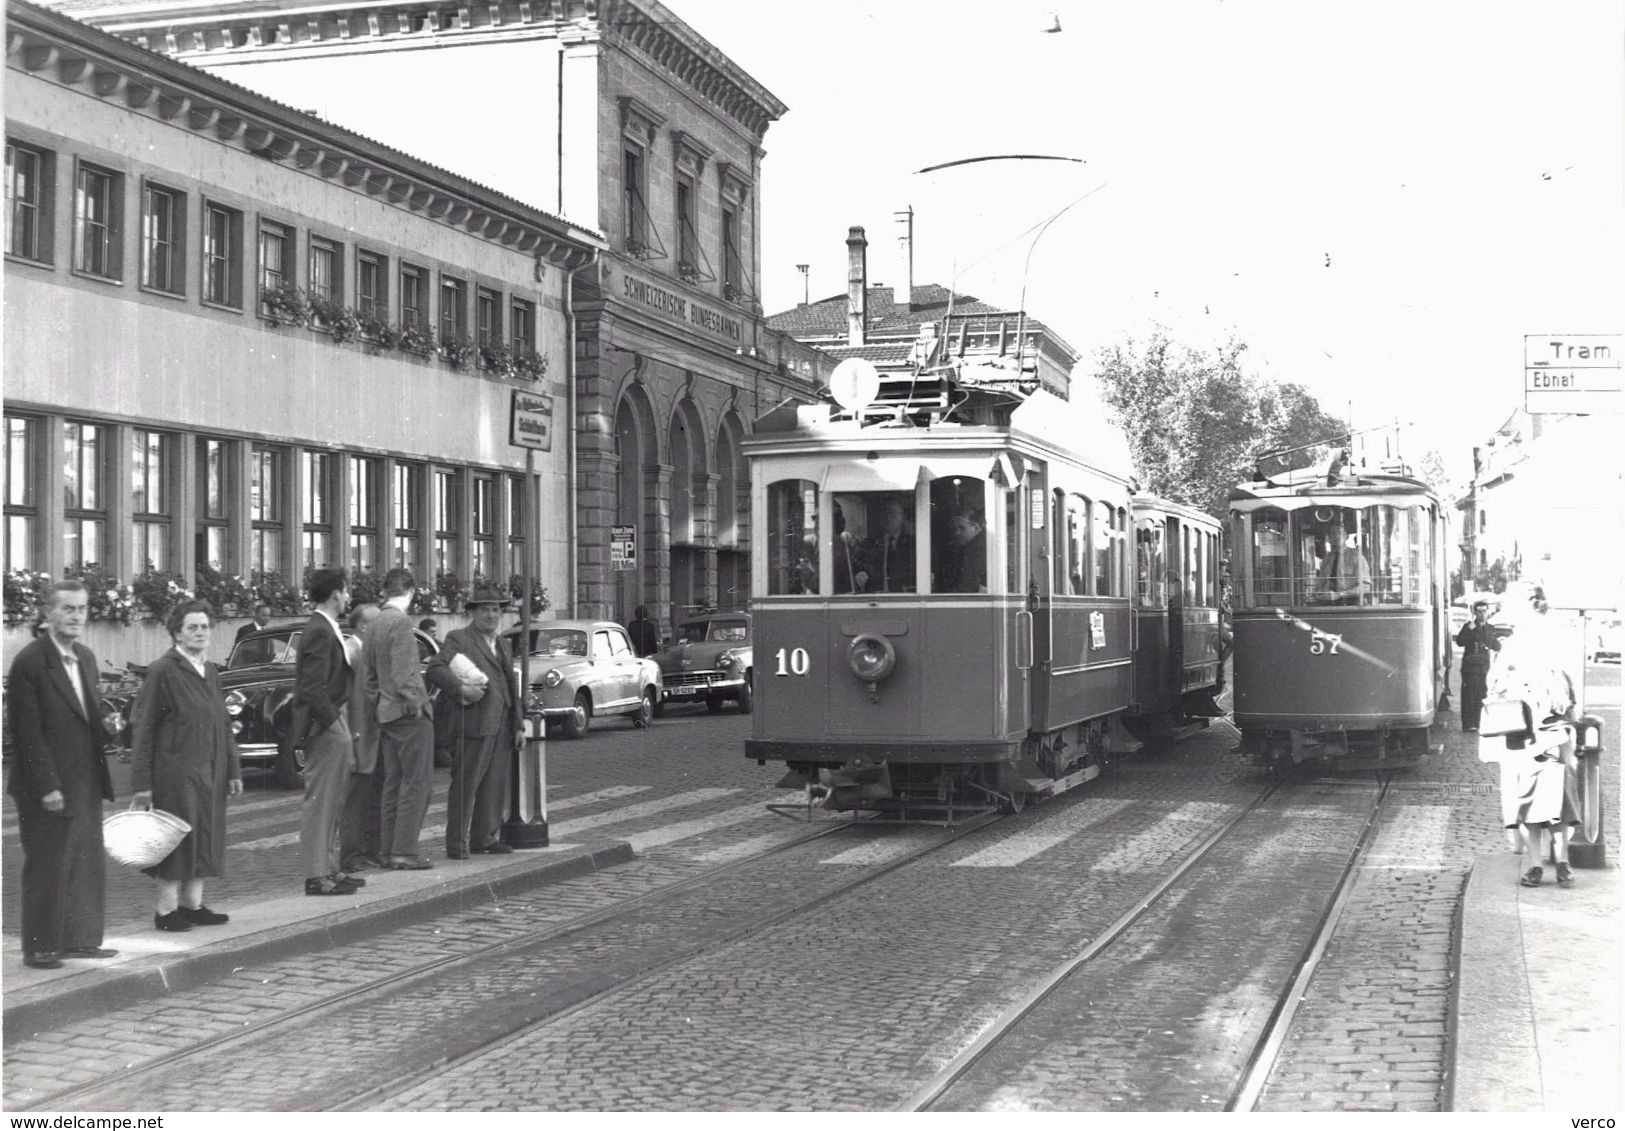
pixel 262 617
pixel 891 554
pixel 59 780
pixel 644 631
pixel 321 726
pixel 484 724
pixel 399 703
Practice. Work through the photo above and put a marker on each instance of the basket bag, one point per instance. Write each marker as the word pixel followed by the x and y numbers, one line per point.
pixel 142 837
pixel 1504 716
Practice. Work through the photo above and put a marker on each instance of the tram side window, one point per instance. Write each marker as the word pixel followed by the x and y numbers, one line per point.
pixel 1420 562
pixel 1102 547
pixel 1272 578
pixel 1077 545
pixel 958 535
pixel 1120 579
pixel 1014 531
pixel 792 537
pixel 1149 565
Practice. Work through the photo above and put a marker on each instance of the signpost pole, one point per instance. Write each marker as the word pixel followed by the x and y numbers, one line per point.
pixel 530 426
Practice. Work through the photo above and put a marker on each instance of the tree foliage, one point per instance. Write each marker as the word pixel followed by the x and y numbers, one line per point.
pixel 1197 421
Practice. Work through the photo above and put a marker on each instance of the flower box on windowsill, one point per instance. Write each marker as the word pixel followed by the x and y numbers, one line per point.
pixel 285 305
pixel 458 352
pixel 418 343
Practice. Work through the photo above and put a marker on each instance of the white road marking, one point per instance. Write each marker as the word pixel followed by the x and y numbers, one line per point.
pixel 1151 843
pixel 633 812
pixel 1414 837
pixel 666 834
pixel 745 849
pixel 1043 835
pixel 886 848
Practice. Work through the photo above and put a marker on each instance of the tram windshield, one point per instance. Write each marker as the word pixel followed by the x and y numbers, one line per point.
pixel 1333 555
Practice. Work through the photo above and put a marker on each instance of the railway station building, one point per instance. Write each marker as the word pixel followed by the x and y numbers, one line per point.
pixel 240 337
pixel 620 117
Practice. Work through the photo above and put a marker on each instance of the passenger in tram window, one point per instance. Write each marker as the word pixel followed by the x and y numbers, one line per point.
pixel 850 574
pixel 961 558
pixel 805 579
pixel 891 553
pixel 1344 574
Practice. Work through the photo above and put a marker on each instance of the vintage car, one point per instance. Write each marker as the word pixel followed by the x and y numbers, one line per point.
pixel 584 668
pixel 709 660
pixel 258 682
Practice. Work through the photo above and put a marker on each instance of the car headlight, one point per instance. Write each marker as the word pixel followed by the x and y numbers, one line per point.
pixel 727 659
pixel 552 678
pixel 235 702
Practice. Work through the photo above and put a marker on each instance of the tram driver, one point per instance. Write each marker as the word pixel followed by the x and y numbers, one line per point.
pixel 961 558
pixel 1344 575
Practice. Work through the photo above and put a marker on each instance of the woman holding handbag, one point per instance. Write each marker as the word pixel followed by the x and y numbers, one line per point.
pixel 1530 681
pixel 185 762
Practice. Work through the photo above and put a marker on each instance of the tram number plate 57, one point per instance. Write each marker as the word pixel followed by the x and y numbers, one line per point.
pixel 793 661
pixel 1324 643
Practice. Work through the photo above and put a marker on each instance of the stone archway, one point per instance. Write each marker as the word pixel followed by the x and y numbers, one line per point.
pixel 692 509
pixel 636 501
pixel 732 517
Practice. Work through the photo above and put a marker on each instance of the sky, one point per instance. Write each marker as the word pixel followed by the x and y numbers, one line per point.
pixel 1380 198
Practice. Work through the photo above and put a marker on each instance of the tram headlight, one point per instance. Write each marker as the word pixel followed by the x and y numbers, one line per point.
pixel 871 657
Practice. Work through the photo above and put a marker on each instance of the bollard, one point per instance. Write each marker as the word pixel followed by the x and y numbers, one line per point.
pixel 1588 845
pixel 526 826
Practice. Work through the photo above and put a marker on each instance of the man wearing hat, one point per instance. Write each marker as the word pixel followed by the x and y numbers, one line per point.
pixel 1479 642
pixel 481 691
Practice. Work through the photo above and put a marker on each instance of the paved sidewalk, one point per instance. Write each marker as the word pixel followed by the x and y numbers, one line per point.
pixel 1537 1017
pixel 270 924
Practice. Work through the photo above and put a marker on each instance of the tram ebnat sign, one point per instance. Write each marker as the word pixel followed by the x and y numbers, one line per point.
pixel 1571 373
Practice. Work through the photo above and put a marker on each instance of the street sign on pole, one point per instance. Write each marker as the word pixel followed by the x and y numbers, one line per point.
pixel 1571 373
pixel 530 421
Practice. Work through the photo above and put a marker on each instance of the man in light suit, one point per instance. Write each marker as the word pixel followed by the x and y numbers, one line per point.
pixel 59 780
pixel 484 726
pixel 321 725
pixel 405 728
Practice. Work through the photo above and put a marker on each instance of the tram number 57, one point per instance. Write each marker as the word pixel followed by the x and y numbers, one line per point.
pixel 1324 643
pixel 793 661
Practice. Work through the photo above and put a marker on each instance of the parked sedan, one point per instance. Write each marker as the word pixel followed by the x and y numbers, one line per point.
pixel 258 681
pixel 710 660
pixel 580 669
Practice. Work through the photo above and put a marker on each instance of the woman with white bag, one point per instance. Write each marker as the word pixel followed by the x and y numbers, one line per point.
pixel 1538 764
pixel 185 762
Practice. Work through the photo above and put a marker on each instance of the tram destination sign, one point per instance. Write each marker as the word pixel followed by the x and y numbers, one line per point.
pixel 1572 373
pixel 530 421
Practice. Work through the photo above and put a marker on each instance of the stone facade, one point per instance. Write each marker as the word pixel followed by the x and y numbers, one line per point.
pixel 632 124
pixel 159 408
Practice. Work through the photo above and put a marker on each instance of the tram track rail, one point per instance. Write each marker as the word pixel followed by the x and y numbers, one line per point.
pixel 1276 1030
pixel 443 965
pixel 421 975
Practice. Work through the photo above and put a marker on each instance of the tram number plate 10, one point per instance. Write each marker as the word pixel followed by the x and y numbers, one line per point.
pixel 793 661
pixel 1324 643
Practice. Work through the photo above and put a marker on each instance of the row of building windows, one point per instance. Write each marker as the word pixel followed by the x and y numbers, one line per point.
pixel 693 265
pixel 424 521
pixel 98 252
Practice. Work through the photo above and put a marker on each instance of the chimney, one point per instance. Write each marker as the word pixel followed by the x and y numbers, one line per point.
pixel 857 287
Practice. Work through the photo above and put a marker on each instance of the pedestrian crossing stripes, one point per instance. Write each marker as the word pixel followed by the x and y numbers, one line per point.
pixel 682 830
pixel 886 849
pixel 560 829
pixel 1189 820
pixel 1042 835
pixel 1413 837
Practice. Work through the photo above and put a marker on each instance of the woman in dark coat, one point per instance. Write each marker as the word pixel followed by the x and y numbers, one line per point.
pixel 185 763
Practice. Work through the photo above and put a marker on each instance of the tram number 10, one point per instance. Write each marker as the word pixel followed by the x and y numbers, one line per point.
pixel 793 661
pixel 1324 643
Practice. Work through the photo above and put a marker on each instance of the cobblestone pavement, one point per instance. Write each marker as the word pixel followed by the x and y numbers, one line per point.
pixel 1370 1034
pixel 848 1008
pixel 1168 1015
